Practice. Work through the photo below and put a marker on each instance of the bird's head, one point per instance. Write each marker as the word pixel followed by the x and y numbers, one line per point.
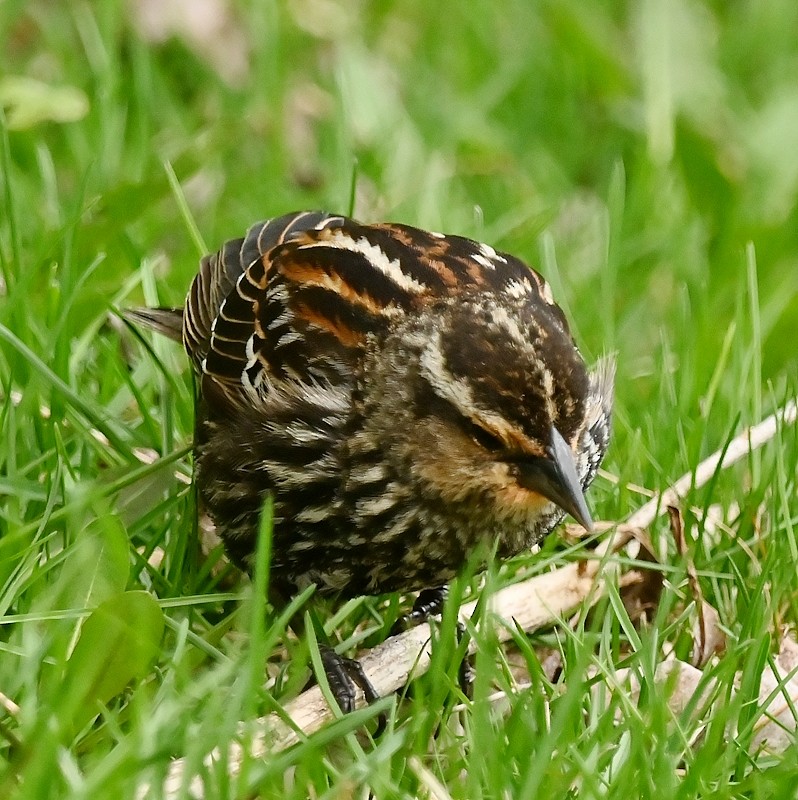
pixel 483 404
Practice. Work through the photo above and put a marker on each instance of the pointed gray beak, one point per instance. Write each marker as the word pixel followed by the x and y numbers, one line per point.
pixel 555 478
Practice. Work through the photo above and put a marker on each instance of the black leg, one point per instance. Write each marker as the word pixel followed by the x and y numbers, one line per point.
pixel 429 603
pixel 465 675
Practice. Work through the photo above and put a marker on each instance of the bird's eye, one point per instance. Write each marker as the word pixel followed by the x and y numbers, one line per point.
pixel 486 439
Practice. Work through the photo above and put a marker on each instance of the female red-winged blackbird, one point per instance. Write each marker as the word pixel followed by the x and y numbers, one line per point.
pixel 403 397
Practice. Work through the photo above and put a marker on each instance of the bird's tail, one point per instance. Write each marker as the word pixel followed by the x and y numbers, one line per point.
pixel 167 321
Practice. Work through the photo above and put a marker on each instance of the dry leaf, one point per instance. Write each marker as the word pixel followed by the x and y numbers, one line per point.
pixel 641 598
pixel 708 637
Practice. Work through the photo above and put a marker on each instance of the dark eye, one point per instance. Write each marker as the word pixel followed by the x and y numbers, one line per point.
pixel 485 438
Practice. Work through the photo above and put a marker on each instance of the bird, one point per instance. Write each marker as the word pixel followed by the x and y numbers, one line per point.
pixel 402 397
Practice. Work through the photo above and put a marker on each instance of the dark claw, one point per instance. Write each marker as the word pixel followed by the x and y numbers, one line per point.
pixel 343 675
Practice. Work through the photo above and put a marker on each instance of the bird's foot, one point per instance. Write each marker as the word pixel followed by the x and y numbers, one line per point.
pixel 345 676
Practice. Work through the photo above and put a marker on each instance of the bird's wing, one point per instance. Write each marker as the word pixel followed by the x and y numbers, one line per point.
pixel 219 273
pixel 296 299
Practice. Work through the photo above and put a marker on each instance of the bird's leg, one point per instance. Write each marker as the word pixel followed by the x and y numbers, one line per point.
pixel 465 673
pixel 429 603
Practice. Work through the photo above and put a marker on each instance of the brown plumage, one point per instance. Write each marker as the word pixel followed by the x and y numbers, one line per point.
pixel 404 397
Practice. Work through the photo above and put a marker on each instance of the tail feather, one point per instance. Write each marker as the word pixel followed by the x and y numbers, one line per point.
pixel 166 321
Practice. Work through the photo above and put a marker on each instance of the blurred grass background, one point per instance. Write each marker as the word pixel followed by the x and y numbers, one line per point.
pixel 643 155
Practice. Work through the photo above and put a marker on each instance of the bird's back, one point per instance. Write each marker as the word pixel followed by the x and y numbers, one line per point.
pixel 299 295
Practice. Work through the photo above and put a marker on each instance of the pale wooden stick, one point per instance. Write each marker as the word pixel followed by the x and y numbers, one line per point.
pixel 532 604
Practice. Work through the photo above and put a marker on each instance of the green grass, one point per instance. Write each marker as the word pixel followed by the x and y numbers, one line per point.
pixel 642 155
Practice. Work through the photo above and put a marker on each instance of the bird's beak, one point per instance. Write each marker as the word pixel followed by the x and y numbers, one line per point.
pixel 555 478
